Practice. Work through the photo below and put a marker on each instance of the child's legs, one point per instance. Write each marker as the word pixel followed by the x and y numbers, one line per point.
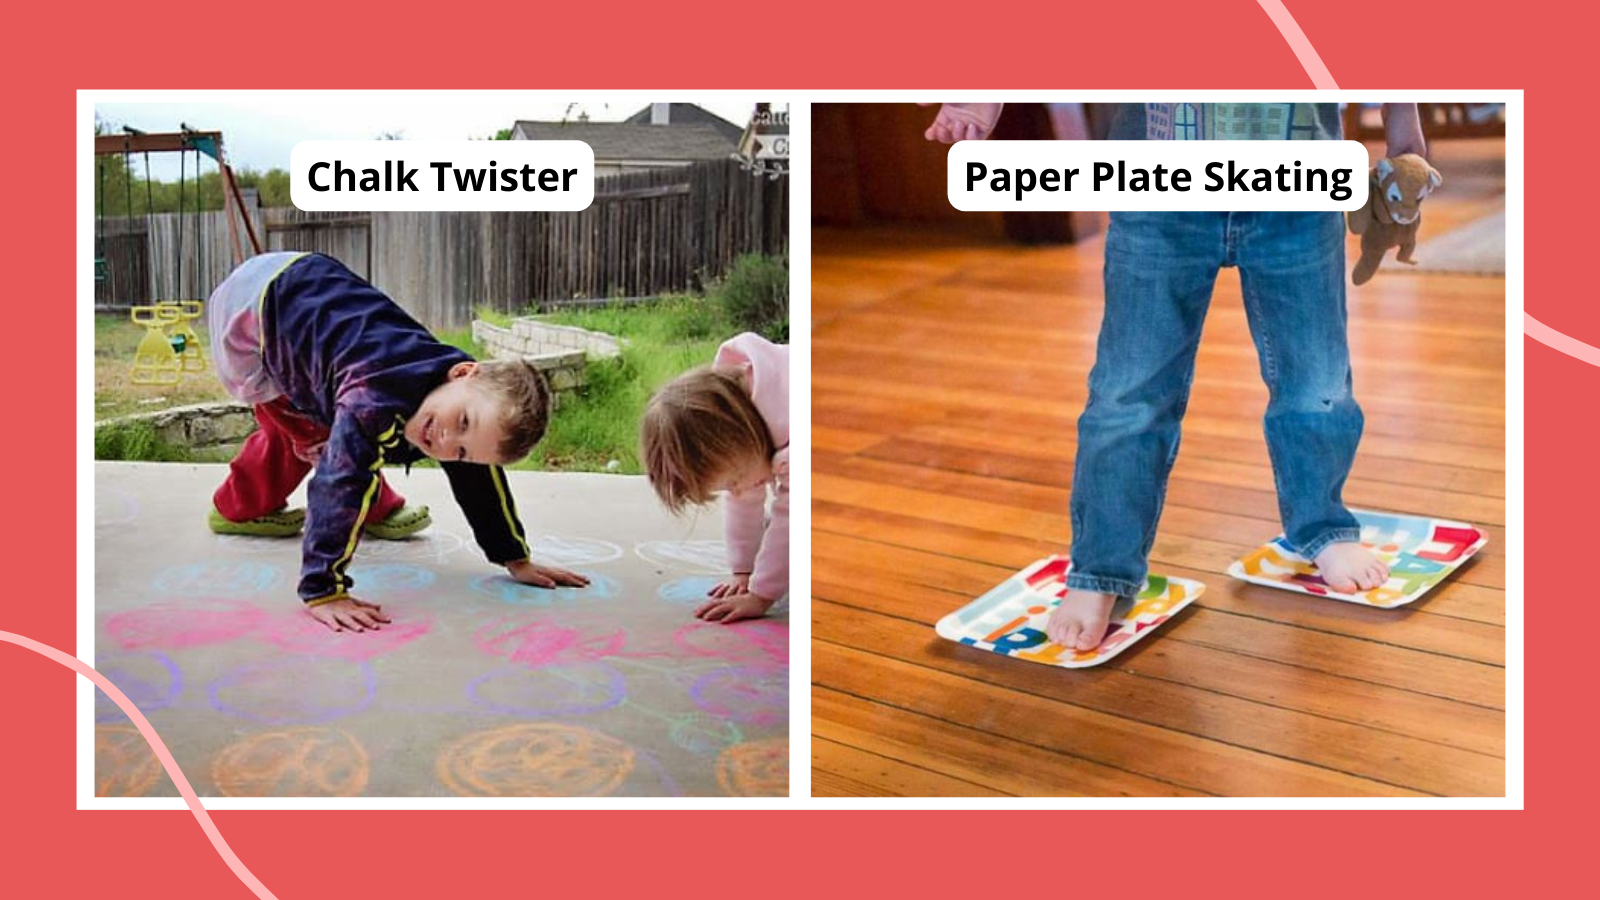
pixel 264 473
pixel 273 462
pixel 1291 268
pixel 1159 272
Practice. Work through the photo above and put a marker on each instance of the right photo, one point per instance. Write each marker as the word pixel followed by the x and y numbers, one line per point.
pixel 1159 503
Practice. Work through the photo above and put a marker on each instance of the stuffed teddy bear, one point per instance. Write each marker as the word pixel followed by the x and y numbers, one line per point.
pixel 1393 211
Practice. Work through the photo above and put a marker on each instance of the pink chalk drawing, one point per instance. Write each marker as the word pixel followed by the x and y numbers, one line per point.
pixel 181 624
pixel 743 640
pixel 299 633
pixel 537 644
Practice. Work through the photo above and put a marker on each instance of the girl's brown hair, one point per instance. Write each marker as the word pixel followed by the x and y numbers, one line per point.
pixel 695 428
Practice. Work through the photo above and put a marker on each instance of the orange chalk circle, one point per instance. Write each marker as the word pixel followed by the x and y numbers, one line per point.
pixel 123 763
pixel 536 760
pixel 299 762
pixel 755 769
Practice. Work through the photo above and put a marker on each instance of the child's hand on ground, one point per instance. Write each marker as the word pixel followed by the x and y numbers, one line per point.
pixel 733 584
pixel 963 122
pixel 529 572
pixel 349 614
pixel 732 607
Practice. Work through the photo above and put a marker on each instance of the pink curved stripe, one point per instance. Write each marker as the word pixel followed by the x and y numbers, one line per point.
pixel 143 724
pixel 1555 340
pixel 1320 77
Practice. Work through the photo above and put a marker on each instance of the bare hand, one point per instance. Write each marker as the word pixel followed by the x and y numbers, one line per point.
pixel 529 572
pixel 733 584
pixel 349 614
pixel 732 607
pixel 963 122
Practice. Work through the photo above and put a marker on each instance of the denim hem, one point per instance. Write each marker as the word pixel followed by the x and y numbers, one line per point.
pixel 1332 536
pixel 1114 586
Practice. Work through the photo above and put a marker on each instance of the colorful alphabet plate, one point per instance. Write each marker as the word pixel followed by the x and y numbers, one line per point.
pixel 1420 552
pixel 1009 619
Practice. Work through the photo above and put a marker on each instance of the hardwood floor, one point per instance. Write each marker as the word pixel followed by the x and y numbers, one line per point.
pixel 947 376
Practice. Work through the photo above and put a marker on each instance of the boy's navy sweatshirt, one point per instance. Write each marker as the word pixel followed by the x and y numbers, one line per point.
pixel 347 356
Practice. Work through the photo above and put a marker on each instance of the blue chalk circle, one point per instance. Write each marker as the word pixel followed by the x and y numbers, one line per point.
pixel 392 577
pixel 506 590
pixel 687 591
pixel 219 579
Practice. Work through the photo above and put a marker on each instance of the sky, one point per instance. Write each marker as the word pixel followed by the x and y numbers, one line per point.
pixel 259 129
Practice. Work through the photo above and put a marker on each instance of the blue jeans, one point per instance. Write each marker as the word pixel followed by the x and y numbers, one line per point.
pixel 1160 268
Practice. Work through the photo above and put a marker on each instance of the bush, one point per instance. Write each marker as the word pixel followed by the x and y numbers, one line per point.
pixel 755 295
pixel 137 441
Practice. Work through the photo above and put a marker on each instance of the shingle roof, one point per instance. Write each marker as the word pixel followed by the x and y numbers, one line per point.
pixel 623 141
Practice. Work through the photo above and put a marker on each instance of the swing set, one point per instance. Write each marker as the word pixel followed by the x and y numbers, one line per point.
pixel 170 346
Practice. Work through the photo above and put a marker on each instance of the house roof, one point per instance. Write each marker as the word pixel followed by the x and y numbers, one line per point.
pixel 625 141
pixel 690 114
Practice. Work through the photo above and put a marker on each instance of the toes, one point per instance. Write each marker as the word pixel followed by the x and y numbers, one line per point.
pixel 1342 584
pixel 1069 634
pixel 1089 638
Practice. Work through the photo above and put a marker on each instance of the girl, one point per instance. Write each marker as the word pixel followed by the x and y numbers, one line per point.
pixel 725 428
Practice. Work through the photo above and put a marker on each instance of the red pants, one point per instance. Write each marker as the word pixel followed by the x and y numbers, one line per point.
pixel 273 462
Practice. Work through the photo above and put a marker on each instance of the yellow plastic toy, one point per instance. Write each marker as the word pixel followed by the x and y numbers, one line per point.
pixel 161 356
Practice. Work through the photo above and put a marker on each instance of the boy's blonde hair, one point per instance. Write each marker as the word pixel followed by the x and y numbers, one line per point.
pixel 526 398
pixel 695 428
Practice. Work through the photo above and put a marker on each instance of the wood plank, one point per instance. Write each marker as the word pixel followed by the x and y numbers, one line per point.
pixel 909 667
pixel 1037 719
pixel 885 776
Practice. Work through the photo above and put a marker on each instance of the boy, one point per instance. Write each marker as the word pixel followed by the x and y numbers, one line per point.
pixel 1159 271
pixel 343 380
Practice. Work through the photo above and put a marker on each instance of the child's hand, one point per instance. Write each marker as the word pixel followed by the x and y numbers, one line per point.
pixel 963 122
pixel 349 614
pixel 732 607
pixel 733 584
pixel 529 572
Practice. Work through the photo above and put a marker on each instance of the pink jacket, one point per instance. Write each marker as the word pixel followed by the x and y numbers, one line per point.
pixel 758 543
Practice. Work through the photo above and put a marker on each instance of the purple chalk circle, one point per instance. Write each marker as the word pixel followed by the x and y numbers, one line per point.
pixel 550 691
pixel 749 695
pixel 709 557
pixel 219 579
pixel 302 690
pixel 690 591
pixel 508 590
pixel 151 680
pixel 568 552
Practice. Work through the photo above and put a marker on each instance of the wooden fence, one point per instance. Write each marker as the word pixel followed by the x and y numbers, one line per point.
pixel 646 233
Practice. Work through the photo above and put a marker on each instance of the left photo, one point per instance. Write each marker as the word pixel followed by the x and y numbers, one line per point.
pixel 438 504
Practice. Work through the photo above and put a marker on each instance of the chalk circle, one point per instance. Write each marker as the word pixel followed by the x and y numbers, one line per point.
pixel 391 578
pixel 743 640
pixel 755 769
pixel 695 556
pixel 508 590
pixel 124 765
pixel 549 691
pixel 749 695
pixel 431 546
pixel 299 762
pixel 114 507
pixel 304 690
pixel 151 681
pixel 242 544
pixel 535 760
pixel 690 591
pixel 568 552
pixel 219 579
pixel 702 734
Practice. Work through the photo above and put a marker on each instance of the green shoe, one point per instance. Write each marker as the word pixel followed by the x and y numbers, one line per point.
pixel 283 523
pixel 402 523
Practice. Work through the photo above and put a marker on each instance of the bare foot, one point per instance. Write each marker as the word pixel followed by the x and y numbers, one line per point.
pixel 1348 567
pixel 1079 623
